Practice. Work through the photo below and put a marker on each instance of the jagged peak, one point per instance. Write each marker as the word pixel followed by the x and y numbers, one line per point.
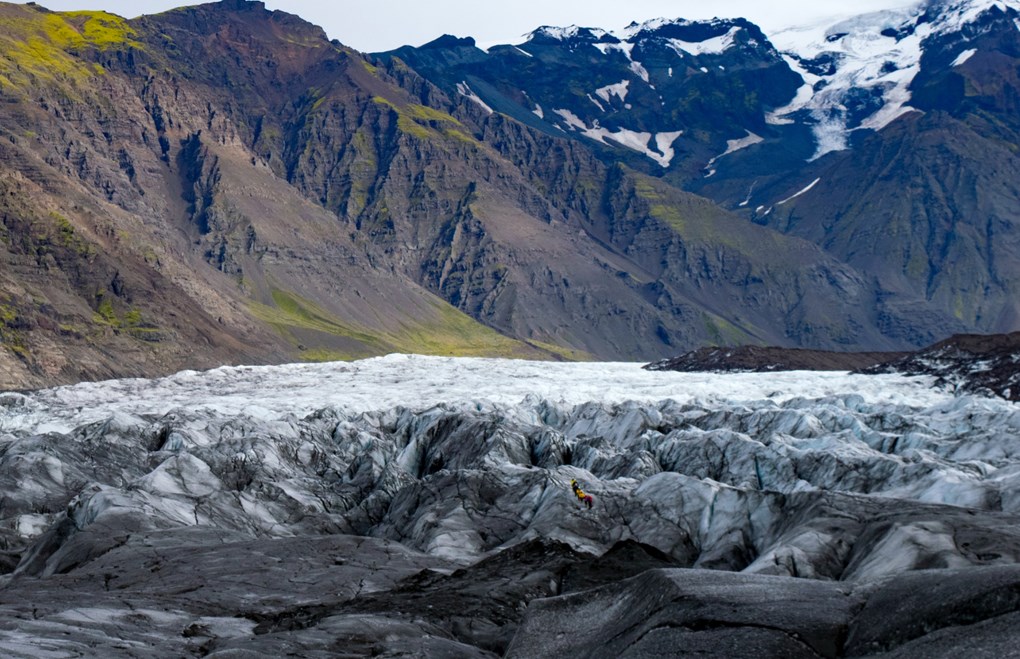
pixel 450 41
pixel 717 34
pixel 569 33
pixel 713 27
pixel 951 15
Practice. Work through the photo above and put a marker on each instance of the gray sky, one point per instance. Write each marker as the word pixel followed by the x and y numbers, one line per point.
pixel 376 25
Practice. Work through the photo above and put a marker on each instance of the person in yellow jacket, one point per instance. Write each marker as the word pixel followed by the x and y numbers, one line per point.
pixel 580 494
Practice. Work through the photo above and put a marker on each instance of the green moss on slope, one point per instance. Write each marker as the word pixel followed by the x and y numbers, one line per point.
pixel 448 332
pixel 44 46
pixel 424 122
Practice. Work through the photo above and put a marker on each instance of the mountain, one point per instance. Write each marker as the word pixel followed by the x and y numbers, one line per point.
pixel 223 184
pixel 427 511
pixel 886 139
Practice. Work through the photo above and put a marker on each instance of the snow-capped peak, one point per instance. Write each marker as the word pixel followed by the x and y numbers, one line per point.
pixel 653 25
pixel 951 15
pixel 566 33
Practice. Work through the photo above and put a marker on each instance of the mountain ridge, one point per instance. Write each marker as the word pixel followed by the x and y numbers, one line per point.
pixel 224 184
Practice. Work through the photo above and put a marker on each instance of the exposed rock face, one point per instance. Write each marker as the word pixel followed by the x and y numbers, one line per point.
pixel 431 529
pixel 967 363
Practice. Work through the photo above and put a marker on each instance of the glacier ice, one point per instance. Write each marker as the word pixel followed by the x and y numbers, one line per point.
pixel 828 476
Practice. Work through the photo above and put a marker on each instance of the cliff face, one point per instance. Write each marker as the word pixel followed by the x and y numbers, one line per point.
pixel 222 184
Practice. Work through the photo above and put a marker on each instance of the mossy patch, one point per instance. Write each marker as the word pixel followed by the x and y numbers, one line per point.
pixel 290 313
pixel 447 332
pixel 424 122
pixel 722 332
pixel 45 46
pixel 102 30
pixel 10 337
pixel 131 321
pixel 658 204
pixel 68 238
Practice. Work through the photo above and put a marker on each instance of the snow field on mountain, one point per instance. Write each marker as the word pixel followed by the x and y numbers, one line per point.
pixel 880 50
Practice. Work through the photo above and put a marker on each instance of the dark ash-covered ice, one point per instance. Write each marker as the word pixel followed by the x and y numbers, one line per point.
pixel 842 525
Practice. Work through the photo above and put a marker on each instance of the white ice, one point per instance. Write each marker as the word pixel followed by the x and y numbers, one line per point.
pixel 275 392
pixel 866 59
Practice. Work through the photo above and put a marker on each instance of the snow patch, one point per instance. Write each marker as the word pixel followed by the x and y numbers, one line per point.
pixel 964 56
pixel 736 145
pixel 639 70
pixel 623 47
pixel 636 140
pixel 806 189
pixel 564 33
pixel 639 141
pixel 575 122
pixel 712 46
pixel 619 90
pixel 465 90
pixel 664 142
pixel 538 111
pixel 522 51
pixel 747 199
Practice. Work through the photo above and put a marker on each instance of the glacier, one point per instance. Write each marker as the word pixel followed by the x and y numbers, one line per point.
pixel 273 508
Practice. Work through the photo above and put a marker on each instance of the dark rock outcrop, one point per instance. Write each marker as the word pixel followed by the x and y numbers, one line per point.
pixel 967 363
pixel 758 359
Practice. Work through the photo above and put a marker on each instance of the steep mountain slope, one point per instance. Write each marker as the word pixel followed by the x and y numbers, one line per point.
pixel 142 223
pixel 930 203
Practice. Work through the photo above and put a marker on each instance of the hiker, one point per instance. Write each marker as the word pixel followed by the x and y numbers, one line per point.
pixel 580 494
